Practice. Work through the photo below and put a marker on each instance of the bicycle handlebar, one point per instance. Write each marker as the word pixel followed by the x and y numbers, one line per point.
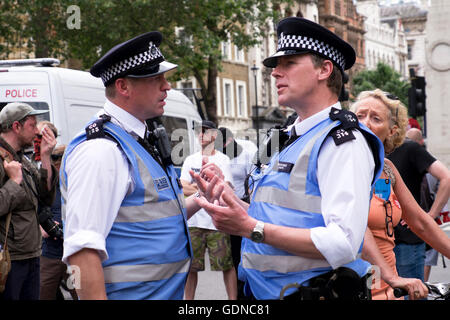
pixel 436 290
pixel 400 292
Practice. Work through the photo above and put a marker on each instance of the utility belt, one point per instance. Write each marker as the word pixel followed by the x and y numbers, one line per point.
pixel 339 284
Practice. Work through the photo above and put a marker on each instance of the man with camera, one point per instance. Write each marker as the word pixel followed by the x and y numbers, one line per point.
pixel 22 188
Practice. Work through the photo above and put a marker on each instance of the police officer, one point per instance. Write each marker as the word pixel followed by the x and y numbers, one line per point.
pixel 124 210
pixel 308 212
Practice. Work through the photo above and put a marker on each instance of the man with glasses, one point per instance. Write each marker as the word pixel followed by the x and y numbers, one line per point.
pixel 203 232
pixel 22 187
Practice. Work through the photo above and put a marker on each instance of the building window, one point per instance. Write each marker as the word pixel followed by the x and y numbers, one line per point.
pixel 228 97
pixel 218 100
pixel 410 47
pixel 241 98
pixel 337 7
pixel 238 54
pixel 188 93
pixel 226 50
pixel 183 38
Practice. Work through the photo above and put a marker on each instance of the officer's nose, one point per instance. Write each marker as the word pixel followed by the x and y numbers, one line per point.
pixel 275 72
pixel 166 85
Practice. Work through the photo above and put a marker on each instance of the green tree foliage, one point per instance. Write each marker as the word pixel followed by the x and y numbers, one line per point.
pixel 192 30
pixel 384 78
pixel 31 26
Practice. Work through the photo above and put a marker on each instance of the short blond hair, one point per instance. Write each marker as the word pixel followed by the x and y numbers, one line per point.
pixel 398 115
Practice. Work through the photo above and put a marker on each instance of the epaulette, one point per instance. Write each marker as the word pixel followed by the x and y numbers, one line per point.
pixel 343 132
pixel 95 129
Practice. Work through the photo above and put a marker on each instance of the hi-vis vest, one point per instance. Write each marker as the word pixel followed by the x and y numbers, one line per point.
pixel 288 194
pixel 148 246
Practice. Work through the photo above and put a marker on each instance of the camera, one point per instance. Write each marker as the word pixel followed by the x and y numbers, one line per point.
pixel 47 223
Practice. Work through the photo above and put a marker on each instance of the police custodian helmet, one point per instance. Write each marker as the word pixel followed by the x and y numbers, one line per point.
pixel 139 57
pixel 299 35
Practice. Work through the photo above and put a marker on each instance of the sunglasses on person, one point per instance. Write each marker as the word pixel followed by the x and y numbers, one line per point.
pixel 391 96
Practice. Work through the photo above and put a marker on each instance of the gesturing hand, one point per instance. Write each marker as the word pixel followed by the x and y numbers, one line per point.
pixel 209 187
pixel 14 170
pixel 228 215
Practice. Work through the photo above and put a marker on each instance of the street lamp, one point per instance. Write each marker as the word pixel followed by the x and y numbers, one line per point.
pixel 255 74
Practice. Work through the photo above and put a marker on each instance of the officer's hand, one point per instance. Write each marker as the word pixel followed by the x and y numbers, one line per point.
pixel 210 170
pixel 48 142
pixel 229 217
pixel 14 170
pixel 210 188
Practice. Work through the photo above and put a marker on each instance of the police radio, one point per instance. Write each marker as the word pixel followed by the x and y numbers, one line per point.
pixel 160 140
pixel 274 142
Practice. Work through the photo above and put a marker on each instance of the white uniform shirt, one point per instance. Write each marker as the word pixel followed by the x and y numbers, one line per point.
pixel 344 174
pixel 194 162
pixel 98 176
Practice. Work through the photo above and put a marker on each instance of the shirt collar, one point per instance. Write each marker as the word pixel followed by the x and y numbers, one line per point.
pixel 124 119
pixel 302 126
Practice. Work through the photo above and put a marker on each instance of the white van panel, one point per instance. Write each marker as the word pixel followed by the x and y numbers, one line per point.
pixel 24 86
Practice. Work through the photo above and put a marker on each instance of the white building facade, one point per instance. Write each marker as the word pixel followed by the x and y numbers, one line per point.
pixel 385 39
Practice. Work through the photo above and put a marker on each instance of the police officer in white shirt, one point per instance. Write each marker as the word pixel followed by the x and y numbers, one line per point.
pixel 304 228
pixel 123 207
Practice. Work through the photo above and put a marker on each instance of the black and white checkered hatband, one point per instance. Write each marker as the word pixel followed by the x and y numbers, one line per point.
pixel 145 57
pixel 286 42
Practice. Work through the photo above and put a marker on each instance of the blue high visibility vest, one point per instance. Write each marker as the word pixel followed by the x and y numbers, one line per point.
pixel 293 199
pixel 148 246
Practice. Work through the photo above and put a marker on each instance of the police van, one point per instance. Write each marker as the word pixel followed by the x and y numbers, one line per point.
pixel 73 97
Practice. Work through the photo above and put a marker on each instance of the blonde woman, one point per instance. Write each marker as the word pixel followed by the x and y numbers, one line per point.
pixel 386 116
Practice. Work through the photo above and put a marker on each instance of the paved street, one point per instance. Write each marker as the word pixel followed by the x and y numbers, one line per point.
pixel 439 273
pixel 210 284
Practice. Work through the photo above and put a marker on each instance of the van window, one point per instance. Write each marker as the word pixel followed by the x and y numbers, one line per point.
pixel 78 116
pixel 36 106
pixel 177 130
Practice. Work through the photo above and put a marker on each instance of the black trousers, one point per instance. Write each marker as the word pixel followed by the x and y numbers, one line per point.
pixel 23 280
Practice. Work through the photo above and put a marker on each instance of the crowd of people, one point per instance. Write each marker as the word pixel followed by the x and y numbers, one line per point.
pixel 341 195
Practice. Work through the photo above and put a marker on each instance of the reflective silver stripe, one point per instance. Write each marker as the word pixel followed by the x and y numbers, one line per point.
pixel 63 202
pixel 148 212
pixel 144 272
pixel 151 194
pixel 296 200
pixel 295 197
pixel 281 264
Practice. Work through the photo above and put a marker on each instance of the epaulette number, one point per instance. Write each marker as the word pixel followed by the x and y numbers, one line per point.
pixel 341 135
pixel 95 130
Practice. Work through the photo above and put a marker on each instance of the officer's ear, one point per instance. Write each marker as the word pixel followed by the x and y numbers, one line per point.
pixel 325 70
pixel 122 86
